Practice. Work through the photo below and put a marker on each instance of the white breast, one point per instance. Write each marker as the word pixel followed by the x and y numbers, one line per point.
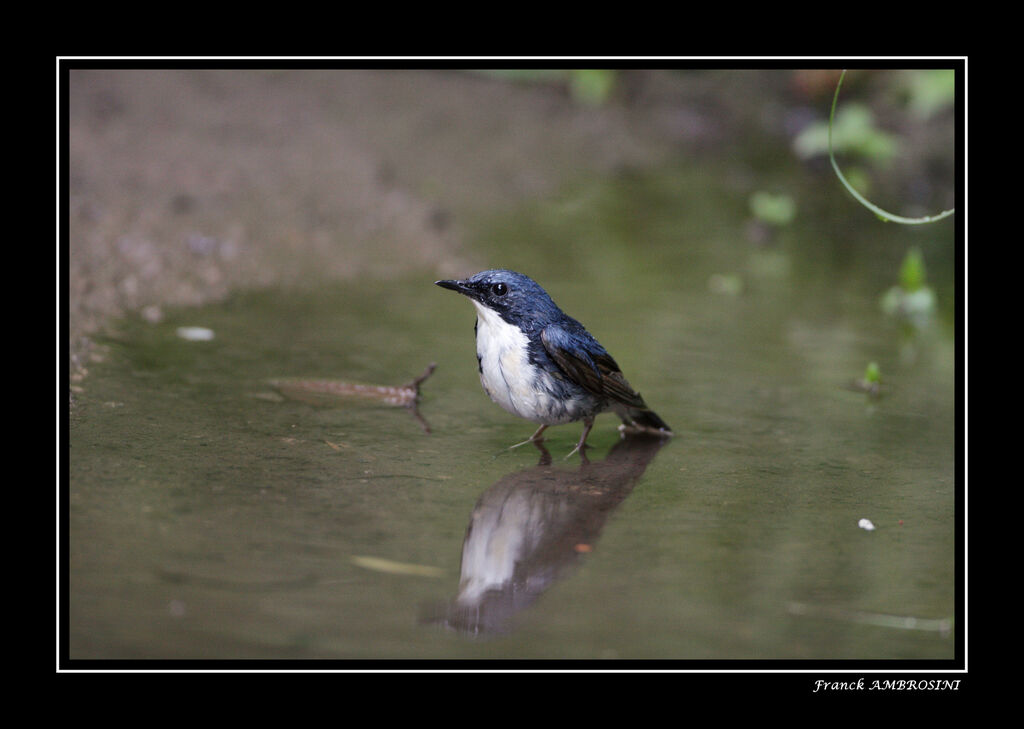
pixel 520 388
pixel 505 371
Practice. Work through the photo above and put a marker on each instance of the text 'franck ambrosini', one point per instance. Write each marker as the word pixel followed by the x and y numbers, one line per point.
pixel 888 684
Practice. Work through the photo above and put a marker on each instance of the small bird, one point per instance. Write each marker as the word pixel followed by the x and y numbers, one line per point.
pixel 541 364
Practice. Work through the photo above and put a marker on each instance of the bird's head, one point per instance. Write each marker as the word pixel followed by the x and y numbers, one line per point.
pixel 515 297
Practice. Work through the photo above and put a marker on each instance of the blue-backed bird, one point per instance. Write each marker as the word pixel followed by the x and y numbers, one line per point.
pixel 537 362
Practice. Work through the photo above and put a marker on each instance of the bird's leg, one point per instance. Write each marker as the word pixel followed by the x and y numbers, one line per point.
pixel 587 425
pixel 532 439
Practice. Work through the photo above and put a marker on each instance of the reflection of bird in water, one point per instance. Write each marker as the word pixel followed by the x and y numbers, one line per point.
pixel 531 527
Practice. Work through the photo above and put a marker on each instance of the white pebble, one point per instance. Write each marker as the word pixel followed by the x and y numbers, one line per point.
pixel 195 334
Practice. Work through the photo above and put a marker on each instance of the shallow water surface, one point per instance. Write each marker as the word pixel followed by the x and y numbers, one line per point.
pixel 210 516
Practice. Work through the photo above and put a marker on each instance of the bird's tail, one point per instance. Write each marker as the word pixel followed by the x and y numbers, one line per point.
pixel 644 419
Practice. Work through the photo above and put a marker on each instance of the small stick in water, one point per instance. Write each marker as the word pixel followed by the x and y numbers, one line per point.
pixel 319 391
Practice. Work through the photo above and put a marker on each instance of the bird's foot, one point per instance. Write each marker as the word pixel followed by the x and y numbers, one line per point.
pixel 581 446
pixel 536 438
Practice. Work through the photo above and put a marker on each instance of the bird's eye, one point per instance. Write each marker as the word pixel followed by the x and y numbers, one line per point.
pixel 499 289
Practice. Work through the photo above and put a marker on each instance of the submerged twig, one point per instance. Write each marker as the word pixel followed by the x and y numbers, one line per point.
pixel 406 396
pixel 379 564
pixel 943 626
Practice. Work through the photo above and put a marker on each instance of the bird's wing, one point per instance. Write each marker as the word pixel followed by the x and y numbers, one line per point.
pixel 586 363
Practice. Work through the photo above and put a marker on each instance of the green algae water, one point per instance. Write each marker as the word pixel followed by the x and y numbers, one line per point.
pixel 793 516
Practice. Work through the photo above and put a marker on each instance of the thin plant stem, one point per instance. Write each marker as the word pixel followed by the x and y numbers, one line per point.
pixel 860 198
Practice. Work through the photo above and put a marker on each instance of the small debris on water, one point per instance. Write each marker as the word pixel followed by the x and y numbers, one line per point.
pixel 195 334
pixel 379 564
pixel 866 524
pixel 942 626
pixel 334 391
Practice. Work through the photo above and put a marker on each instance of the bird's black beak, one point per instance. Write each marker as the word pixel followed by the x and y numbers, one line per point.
pixel 459 286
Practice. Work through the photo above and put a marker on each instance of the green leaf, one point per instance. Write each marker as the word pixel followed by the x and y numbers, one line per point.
pixel 912 273
pixel 773 209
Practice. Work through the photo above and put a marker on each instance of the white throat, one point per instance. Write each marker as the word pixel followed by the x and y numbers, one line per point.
pixel 505 371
